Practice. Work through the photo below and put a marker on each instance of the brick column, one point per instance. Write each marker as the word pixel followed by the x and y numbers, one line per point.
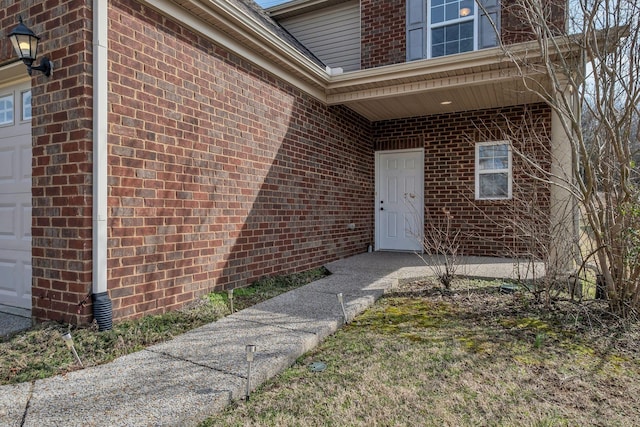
pixel 62 165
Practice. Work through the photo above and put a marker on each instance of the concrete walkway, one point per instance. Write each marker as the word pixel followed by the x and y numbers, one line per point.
pixel 191 377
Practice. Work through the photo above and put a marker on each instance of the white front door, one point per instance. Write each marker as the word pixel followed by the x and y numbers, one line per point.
pixel 399 200
pixel 15 194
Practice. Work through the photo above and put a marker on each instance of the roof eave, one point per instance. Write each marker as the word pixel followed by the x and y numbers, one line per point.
pixel 227 24
pixel 231 27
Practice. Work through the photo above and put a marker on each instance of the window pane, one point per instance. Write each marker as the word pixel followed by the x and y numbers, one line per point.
pixel 452 32
pixel 457 38
pixel 466 4
pixel 437 14
pixel 6 109
pixel 452 47
pixel 437 50
pixel 453 11
pixel 460 35
pixel 494 185
pixel 501 150
pixel 437 36
pixel 491 157
pixel 26 105
pixel 501 162
pixel 466 45
pixel 485 151
pixel 466 30
pixel 485 164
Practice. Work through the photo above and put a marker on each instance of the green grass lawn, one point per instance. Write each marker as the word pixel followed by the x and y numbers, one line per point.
pixel 472 357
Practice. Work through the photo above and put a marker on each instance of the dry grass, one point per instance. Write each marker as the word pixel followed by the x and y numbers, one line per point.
pixel 470 357
pixel 40 352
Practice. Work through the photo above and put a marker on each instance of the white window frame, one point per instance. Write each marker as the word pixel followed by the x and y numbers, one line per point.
pixel 13 108
pixel 24 107
pixel 508 170
pixel 430 27
pixel 419 28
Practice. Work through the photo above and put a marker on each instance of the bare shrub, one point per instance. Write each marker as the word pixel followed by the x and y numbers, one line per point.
pixel 591 66
pixel 441 246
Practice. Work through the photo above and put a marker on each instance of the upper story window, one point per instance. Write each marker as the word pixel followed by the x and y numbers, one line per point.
pixel 444 27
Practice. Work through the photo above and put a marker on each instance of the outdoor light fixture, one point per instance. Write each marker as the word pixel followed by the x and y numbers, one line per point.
pixel 68 340
pixel 25 42
pixel 251 351
pixel 230 295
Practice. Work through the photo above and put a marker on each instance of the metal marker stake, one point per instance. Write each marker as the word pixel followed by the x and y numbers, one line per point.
pixel 341 301
pixel 68 340
pixel 230 295
pixel 251 351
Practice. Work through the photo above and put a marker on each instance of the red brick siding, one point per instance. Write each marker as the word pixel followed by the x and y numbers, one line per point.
pixel 218 172
pixel 383 32
pixel 61 215
pixel 513 28
pixel 449 143
pixel 383 29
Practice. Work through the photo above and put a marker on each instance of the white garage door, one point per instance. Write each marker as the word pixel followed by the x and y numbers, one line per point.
pixel 15 195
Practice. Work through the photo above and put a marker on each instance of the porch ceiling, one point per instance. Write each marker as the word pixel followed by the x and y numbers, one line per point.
pixel 478 80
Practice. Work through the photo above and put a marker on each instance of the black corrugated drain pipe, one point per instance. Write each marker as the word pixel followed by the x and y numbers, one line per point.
pixel 102 311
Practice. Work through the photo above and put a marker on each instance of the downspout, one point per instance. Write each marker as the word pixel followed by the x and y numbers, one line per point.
pixel 102 307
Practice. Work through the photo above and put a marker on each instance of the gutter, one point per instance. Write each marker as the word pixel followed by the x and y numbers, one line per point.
pixel 102 306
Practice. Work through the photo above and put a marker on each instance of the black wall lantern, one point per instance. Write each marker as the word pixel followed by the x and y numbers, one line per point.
pixel 25 42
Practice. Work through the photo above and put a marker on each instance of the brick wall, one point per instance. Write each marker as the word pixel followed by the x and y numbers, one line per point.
pixel 513 20
pixel 61 215
pixel 496 227
pixel 383 32
pixel 218 172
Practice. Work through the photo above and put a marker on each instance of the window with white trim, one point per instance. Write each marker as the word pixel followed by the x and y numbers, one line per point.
pixel 445 27
pixel 6 109
pixel 26 105
pixel 493 170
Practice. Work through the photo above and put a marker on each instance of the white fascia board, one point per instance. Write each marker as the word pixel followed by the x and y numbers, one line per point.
pixel 440 69
pixel 279 58
pixel 421 68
